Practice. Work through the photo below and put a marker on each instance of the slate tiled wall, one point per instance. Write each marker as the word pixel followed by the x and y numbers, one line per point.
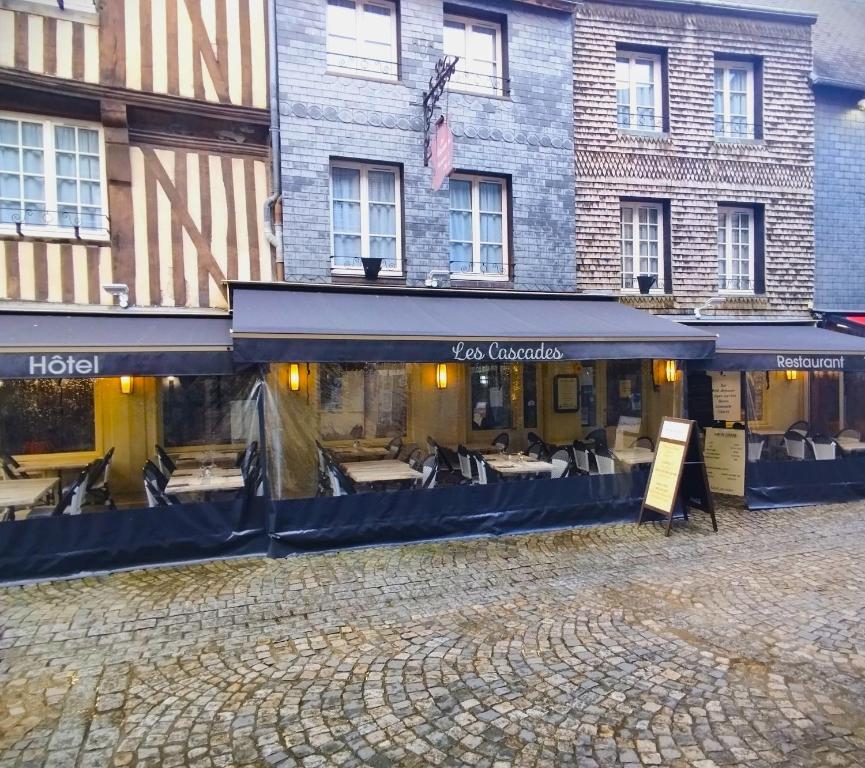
pixel 840 200
pixel 687 166
pixel 528 136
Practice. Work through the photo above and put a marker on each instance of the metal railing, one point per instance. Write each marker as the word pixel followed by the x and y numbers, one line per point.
pixel 480 81
pixel 740 283
pixel 736 129
pixel 362 65
pixel 30 221
pixel 637 120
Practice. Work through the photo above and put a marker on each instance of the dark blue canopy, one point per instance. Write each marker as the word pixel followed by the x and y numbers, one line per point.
pixel 317 325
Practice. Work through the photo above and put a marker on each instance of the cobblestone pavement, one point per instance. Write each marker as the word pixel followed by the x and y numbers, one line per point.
pixel 600 646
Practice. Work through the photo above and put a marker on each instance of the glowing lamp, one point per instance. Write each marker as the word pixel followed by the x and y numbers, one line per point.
pixel 671 371
pixel 441 376
pixel 294 377
pixel 792 375
pixel 126 385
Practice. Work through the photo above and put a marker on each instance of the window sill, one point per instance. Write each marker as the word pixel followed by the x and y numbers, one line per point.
pixel 744 141
pixel 479 277
pixel 749 294
pixel 484 94
pixel 54 234
pixel 638 134
pixel 369 76
pixel 52 11
pixel 358 272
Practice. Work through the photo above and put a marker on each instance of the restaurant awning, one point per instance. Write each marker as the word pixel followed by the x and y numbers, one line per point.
pixel 316 325
pixel 71 345
pixel 783 347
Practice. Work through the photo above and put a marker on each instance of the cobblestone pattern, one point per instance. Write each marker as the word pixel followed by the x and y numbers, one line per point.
pixel 603 646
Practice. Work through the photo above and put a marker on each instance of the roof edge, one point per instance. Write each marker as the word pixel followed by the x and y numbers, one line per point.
pixel 709 7
pixel 569 6
pixel 831 82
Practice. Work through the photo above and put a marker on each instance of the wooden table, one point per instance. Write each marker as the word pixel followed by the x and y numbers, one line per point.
pixel 518 465
pixel 192 472
pixel 384 471
pixel 221 457
pixel 633 456
pixel 56 466
pixel 181 484
pixel 25 493
pixel 850 444
pixel 358 453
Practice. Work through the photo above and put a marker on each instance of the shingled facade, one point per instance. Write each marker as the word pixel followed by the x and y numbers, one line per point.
pixel 675 160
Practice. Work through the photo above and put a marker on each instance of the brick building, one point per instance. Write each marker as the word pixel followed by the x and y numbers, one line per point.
pixel 694 142
pixel 352 106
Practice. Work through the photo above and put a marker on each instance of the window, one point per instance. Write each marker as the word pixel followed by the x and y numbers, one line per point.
pixel 478 224
pixel 47 416
pixel 362 400
pixel 734 99
pixel 361 38
pixel 491 397
pixel 639 91
pixel 366 216
pixel 624 391
pixel 642 226
pixel 736 249
pixel 51 176
pixel 207 410
pixel 479 47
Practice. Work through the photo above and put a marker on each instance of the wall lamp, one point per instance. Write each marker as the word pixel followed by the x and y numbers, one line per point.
pixel 792 375
pixel 441 376
pixel 126 385
pixel 294 377
pixel 665 371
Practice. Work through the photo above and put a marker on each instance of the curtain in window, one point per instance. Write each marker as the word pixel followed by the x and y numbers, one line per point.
pixel 346 215
pixel 492 253
pixel 461 225
pixel 382 217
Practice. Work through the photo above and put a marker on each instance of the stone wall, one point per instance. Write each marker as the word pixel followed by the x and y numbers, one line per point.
pixel 527 135
pixel 687 166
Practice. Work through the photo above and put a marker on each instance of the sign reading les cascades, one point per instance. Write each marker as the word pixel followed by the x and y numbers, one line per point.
pixel 678 477
pixel 499 352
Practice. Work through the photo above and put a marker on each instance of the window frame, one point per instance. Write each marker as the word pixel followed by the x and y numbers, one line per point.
pixel 49 175
pixel 726 65
pixel 730 211
pixel 364 168
pixel 660 286
pixel 359 5
pixel 476 180
pixel 498 88
pixel 632 54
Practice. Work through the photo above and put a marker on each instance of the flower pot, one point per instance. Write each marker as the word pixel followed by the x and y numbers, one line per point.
pixel 371 267
pixel 646 282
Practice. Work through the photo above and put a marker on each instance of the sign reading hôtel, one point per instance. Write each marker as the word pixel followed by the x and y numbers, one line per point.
pixel 499 352
pixel 64 365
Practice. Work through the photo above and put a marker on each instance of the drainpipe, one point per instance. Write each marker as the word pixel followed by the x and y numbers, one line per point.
pixel 272 223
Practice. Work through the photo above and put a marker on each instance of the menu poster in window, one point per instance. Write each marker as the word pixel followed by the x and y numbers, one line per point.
pixel 678 475
pixel 566 394
pixel 726 396
pixel 725 460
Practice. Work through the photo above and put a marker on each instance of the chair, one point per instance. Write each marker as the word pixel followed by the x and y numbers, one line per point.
pixel 561 461
pixel 852 434
pixel 581 457
pixel 823 447
pixel 71 499
pixel 166 463
pixel 536 451
pixel 486 474
pixel 156 497
pixel 340 482
pixel 96 488
pixel 755 448
pixel 802 427
pixel 394 447
pixel 429 469
pixel 644 442
pixel 605 460
pixel 598 437
pixel 153 473
pixel 466 462
pixel 502 441
pixel 794 443
pixel 11 468
pixel 356 432
pixel 415 458
pixel 249 454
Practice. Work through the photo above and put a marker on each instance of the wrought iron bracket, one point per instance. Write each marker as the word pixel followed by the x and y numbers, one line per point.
pixel 445 67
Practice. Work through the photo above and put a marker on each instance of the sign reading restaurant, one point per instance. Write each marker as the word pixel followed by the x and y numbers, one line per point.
pixel 506 352
pixel 806 363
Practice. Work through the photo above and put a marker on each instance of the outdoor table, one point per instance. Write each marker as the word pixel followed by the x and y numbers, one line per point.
pixel 54 466
pixel 633 456
pixel 511 465
pixel 223 457
pixel 359 453
pixel 25 493
pixel 181 484
pixel 850 444
pixel 384 471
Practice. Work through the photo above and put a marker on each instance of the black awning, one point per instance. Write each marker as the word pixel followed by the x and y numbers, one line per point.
pixel 784 347
pixel 88 345
pixel 847 323
pixel 353 326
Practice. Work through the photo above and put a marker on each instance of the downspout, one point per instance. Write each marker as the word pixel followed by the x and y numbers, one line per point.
pixel 272 222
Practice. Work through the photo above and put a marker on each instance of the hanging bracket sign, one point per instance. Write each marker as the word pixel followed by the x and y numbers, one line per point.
pixel 444 70
pixel 678 477
pixel 442 154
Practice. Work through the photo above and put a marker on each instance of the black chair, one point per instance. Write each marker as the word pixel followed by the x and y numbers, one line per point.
pixel 11 468
pixel 249 455
pixel 605 461
pixel 533 437
pixel 803 427
pixel 582 454
pixel 71 498
pixel 154 474
pixel 166 463
pixel 598 437
pixel 356 432
pixel 467 465
pixel 644 442
pixel 97 490
pixel 823 448
pixel 486 473
pixel 502 441
pixel 429 468
pixel 156 496
pixel 394 447
pixel 853 434
pixel 415 458
pixel 563 462
pixel 794 444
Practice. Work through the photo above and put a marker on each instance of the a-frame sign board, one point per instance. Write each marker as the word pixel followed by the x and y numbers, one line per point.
pixel 678 477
